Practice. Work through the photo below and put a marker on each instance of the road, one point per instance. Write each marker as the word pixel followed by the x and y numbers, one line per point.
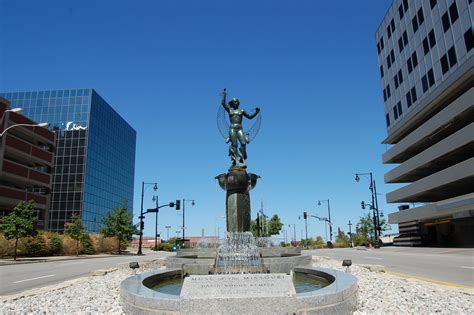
pixel 19 277
pixel 452 266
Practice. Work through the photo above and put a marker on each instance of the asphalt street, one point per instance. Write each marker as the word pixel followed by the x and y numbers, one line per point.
pixel 19 277
pixel 452 266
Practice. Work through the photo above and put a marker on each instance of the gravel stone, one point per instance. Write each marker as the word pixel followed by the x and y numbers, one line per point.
pixel 379 293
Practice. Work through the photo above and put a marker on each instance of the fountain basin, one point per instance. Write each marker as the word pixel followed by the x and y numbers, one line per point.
pixel 338 297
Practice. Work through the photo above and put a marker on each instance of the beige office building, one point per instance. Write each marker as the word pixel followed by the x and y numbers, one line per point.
pixel 425 53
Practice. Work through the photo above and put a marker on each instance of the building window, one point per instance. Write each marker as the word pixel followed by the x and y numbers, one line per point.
pixel 413 94
pixel 405 5
pixel 408 99
pixel 432 39
pixel 421 17
pixel 389 32
pixel 395 79
pixel 388 91
pixel 400 44
pixel 387 119
pixel 414 58
pixel 378 48
pixel 452 56
pixel 395 113
pixel 381 71
pixel 426 45
pixel 409 66
pixel 431 80
pixel 389 63
pixel 446 24
pixel 392 56
pixel 414 23
pixel 433 3
pixel 401 12
pixel 399 106
pixel 469 39
pixel 400 76
pixel 444 64
pixel 384 95
pixel 405 38
pixel 453 12
pixel 424 83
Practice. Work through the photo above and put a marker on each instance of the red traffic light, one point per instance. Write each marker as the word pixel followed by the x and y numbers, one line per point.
pixel 305 215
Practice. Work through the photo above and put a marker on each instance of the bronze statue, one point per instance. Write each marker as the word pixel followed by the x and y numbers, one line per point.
pixel 236 133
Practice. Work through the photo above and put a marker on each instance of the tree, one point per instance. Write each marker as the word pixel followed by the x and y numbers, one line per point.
pixel 75 230
pixel 274 225
pixel 342 240
pixel 365 232
pixel 119 223
pixel 19 223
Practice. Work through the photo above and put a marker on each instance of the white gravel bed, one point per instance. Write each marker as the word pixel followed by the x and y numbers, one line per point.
pixel 379 293
pixel 383 293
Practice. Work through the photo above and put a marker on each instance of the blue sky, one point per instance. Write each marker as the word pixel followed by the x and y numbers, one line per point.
pixel 310 65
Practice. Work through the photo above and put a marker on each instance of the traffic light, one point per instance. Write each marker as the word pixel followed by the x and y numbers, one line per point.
pixel 142 226
pixel 178 204
pixel 362 205
pixel 305 215
pixel 158 235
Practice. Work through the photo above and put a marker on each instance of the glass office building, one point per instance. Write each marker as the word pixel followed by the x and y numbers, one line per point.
pixel 94 162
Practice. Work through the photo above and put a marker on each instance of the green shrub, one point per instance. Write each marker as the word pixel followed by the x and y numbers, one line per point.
pixel 36 246
pixel 55 243
pixel 87 246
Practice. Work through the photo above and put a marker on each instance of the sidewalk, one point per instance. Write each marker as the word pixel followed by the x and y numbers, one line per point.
pixel 31 260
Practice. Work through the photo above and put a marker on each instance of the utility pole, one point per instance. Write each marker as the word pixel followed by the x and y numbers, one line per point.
pixel 168 232
pixel 350 232
pixel 155 198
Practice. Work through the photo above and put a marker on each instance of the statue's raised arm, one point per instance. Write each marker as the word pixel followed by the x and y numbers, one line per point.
pixel 224 102
pixel 247 115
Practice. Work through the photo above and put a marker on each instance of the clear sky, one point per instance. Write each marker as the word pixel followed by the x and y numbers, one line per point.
pixel 310 65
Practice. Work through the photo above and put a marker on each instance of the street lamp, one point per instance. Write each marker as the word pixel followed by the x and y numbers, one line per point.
pixel 294 231
pixel 184 226
pixel 13 110
pixel 168 227
pixel 24 125
pixel 329 217
pixel 155 188
pixel 374 205
pixel 155 199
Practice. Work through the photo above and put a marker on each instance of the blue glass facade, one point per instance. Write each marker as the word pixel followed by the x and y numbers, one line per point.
pixel 95 153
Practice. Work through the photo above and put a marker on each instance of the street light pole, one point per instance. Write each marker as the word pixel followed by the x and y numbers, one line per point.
pixel 350 232
pixel 155 198
pixel 155 187
pixel 329 217
pixel 374 206
pixel 168 232
pixel 184 226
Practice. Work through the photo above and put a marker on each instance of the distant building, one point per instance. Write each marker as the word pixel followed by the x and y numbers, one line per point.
pixel 425 53
pixel 94 164
pixel 26 162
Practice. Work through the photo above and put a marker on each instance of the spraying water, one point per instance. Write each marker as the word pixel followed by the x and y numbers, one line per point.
pixel 238 253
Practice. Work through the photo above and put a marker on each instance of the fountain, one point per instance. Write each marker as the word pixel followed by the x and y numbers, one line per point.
pixel 239 274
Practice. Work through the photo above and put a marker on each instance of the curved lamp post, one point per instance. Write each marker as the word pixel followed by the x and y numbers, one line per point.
pixel 329 217
pixel 374 205
pixel 23 125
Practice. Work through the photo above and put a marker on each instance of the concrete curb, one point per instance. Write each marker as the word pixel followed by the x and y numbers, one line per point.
pixel 4 262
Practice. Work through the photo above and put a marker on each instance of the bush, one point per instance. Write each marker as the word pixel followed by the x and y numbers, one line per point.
pixel 7 247
pixel 87 245
pixel 54 241
pixel 36 246
pixel 69 247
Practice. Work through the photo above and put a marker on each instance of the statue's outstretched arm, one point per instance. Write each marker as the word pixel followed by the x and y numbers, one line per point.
pixel 257 110
pixel 223 102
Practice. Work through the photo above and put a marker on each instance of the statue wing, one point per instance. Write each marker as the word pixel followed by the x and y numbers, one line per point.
pixel 223 123
pixel 255 128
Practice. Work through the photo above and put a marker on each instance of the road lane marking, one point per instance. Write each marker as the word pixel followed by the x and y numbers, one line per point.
pixel 31 279
pixel 376 258
pixel 451 284
pixel 467 267
pixel 73 263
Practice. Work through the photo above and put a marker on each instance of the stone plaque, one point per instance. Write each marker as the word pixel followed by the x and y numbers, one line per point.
pixel 238 294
